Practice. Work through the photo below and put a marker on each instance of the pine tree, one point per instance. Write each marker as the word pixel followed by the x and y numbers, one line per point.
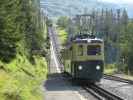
pixel 19 21
pixel 124 18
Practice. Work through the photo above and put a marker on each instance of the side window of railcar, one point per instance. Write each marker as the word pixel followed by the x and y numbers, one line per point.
pixel 93 49
pixel 71 48
pixel 80 50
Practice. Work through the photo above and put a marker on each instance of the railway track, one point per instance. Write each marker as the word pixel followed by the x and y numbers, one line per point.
pixel 95 90
pixel 54 39
pixel 100 93
pixel 115 78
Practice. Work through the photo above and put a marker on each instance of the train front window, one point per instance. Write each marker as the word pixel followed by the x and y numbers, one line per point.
pixel 93 50
pixel 80 50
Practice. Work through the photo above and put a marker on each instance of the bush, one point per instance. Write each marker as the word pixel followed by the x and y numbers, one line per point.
pixel 62 34
pixel 110 68
pixel 17 84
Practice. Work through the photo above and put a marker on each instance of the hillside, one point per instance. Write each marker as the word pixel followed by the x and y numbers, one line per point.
pixel 22 32
pixel 71 7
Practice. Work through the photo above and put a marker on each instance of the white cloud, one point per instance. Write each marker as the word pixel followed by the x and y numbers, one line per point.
pixel 118 1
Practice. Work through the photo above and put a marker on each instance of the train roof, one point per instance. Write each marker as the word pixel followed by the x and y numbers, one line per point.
pixel 85 38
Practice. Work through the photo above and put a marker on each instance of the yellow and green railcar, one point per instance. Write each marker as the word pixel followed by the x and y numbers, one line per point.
pixel 84 59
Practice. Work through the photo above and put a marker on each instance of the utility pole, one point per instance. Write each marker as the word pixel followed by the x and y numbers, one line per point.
pixel 85 23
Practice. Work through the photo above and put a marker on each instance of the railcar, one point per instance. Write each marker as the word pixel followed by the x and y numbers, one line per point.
pixel 83 58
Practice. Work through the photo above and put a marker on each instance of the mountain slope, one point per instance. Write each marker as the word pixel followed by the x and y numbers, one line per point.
pixel 72 7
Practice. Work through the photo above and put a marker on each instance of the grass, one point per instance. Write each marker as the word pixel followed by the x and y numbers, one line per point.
pixel 21 79
pixel 110 69
pixel 62 34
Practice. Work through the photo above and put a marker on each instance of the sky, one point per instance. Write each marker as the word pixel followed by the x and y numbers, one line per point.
pixel 118 1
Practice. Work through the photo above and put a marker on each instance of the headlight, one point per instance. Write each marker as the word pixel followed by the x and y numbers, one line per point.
pixel 80 67
pixel 98 67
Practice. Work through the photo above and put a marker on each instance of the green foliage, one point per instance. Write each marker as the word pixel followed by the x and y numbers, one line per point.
pixel 49 22
pixel 62 22
pixel 62 34
pixel 17 84
pixel 21 32
pixel 19 20
pixel 126 45
pixel 110 69
pixel 9 31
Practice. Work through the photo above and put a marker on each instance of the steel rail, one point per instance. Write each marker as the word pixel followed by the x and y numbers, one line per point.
pixel 93 93
pixel 53 38
pixel 116 78
pixel 101 94
pixel 96 91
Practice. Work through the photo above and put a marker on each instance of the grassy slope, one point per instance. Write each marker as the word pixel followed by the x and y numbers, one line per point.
pixel 62 35
pixel 22 80
pixel 110 69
